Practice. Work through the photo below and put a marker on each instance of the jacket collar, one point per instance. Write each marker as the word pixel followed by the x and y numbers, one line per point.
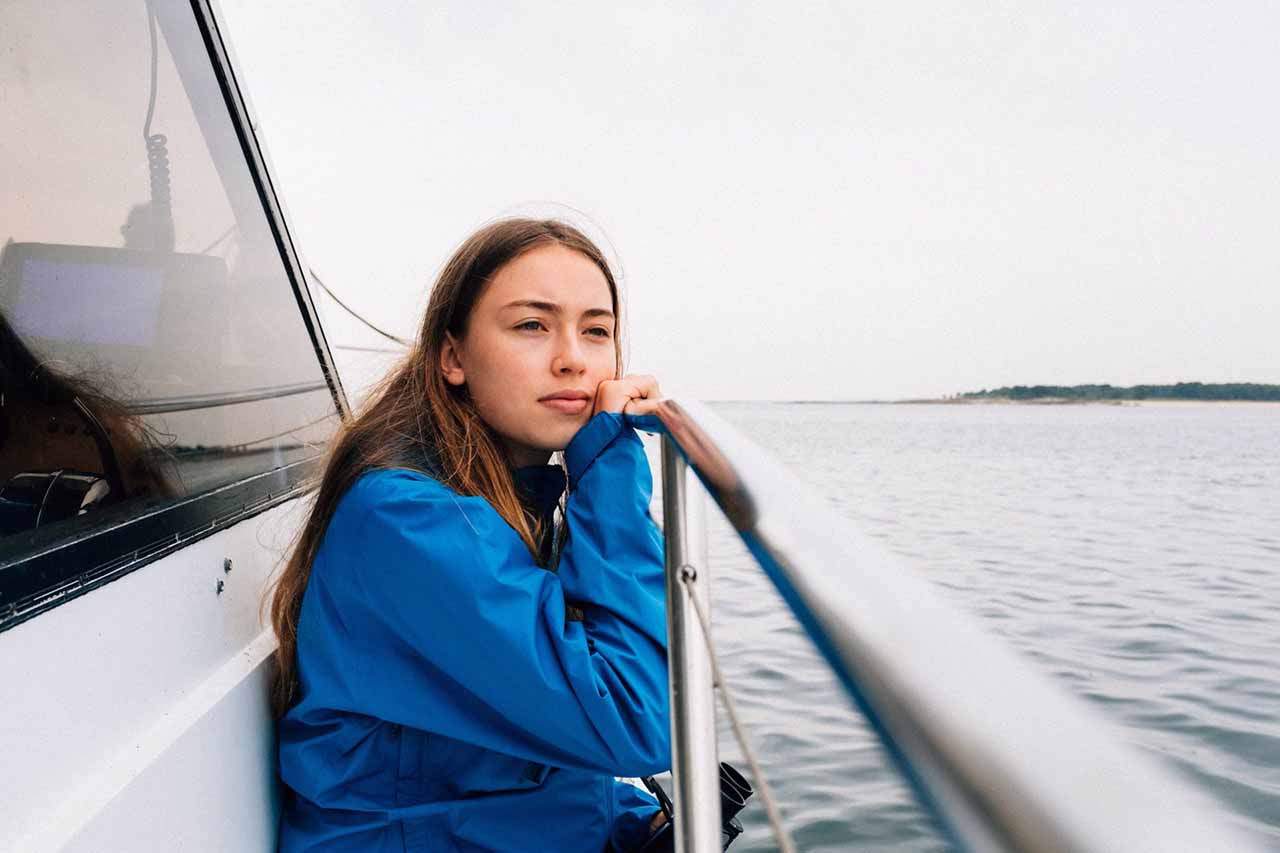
pixel 541 486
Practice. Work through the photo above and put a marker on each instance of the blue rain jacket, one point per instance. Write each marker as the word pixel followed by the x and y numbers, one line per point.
pixel 446 703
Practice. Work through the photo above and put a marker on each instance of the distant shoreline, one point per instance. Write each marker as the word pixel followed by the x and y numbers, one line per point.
pixel 1179 393
pixel 1001 401
pixel 1099 393
pixel 1066 401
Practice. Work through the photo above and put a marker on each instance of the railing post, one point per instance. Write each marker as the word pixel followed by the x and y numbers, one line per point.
pixel 695 766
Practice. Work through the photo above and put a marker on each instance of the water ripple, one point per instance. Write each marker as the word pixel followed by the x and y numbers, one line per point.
pixel 1128 552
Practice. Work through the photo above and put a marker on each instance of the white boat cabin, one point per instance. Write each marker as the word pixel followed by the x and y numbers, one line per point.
pixel 167 391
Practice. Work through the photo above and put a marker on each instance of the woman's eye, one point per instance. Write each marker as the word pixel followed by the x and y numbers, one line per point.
pixel 530 324
pixel 598 331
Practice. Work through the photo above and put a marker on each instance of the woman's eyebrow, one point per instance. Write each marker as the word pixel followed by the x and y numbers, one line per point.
pixel 553 308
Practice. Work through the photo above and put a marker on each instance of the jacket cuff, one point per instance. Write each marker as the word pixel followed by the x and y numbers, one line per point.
pixel 588 442
pixel 634 809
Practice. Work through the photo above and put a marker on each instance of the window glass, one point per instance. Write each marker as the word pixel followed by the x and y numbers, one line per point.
pixel 151 346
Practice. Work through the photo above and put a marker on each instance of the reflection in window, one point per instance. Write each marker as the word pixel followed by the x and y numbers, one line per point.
pixel 151 346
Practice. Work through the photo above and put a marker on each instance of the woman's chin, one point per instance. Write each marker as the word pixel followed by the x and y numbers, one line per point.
pixel 562 439
pixel 551 440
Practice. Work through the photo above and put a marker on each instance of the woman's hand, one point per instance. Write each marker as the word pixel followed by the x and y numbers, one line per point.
pixel 637 394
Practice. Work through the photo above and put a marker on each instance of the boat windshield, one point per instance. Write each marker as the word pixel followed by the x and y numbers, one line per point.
pixel 152 347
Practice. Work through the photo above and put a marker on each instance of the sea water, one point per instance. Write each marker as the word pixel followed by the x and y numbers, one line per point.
pixel 1130 553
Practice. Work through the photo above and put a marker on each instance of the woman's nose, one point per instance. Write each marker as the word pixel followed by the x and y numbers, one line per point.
pixel 568 357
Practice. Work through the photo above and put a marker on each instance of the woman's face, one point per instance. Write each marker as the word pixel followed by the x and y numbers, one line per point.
pixel 543 326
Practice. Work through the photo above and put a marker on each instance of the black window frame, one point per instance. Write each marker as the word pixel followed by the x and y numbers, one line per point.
pixel 40 579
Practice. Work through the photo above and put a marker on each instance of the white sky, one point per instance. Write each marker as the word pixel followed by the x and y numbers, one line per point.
pixel 834 201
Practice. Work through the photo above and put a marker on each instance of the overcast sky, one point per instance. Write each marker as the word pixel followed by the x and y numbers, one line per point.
pixel 817 201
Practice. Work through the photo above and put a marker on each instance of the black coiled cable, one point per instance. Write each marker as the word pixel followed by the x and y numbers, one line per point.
pixel 161 187
pixel 161 208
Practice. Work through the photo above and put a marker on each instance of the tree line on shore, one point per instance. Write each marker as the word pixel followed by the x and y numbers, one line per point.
pixel 1250 391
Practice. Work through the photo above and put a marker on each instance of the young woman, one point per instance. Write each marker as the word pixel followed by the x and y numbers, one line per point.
pixel 454 673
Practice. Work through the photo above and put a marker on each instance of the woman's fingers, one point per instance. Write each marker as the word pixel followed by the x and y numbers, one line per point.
pixel 644 385
pixel 613 394
pixel 643 405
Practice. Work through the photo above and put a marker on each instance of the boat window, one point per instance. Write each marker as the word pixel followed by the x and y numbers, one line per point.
pixel 151 344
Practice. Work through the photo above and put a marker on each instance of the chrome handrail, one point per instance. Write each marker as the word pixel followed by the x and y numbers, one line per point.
pixel 695 768
pixel 1002 756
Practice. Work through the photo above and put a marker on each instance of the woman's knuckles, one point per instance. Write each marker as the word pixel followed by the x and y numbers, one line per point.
pixel 612 395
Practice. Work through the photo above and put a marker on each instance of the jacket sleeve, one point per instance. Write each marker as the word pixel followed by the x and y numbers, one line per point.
pixel 633 811
pixel 449 626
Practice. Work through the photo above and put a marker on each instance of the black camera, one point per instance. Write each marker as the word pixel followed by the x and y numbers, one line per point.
pixel 735 790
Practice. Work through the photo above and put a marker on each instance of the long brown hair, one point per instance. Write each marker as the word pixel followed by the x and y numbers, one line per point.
pixel 414 419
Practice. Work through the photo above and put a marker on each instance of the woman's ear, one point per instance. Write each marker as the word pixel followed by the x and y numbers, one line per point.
pixel 450 362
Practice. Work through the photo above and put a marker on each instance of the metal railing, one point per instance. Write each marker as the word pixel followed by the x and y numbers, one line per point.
pixel 1004 758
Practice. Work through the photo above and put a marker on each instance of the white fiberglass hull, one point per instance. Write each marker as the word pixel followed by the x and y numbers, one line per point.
pixel 137 716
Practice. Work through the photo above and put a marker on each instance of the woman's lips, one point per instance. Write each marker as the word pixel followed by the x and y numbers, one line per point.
pixel 568 407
